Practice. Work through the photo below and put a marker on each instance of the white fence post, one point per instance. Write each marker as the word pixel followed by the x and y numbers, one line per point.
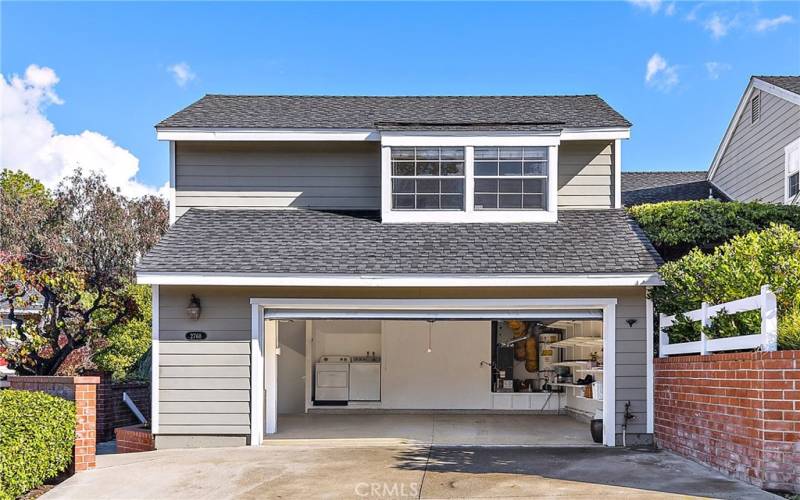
pixel 769 320
pixel 704 322
pixel 663 338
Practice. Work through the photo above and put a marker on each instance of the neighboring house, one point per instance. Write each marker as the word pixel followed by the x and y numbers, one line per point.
pixel 655 187
pixel 428 241
pixel 759 156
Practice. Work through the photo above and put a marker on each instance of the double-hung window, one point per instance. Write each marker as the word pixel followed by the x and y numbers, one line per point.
pixel 511 178
pixel 427 178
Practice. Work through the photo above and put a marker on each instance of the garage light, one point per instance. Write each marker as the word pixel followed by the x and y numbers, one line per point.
pixel 193 309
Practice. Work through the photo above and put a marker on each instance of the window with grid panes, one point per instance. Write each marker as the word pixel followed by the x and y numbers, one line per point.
pixel 511 178
pixel 427 178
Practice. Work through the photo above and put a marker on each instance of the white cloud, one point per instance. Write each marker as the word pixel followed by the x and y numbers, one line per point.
pixel 692 14
pixel 182 73
pixel 715 69
pixel 670 9
pixel 770 24
pixel 29 141
pixel 652 5
pixel 719 26
pixel 660 74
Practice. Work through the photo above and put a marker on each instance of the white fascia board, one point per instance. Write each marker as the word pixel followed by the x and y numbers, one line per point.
pixel 595 134
pixel 777 91
pixel 225 134
pixel 387 281
pixel 755 83
pixel 433 304
pixel 405 138
pixel 451 138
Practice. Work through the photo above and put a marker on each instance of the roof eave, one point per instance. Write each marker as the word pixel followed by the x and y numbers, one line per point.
pixel 399 281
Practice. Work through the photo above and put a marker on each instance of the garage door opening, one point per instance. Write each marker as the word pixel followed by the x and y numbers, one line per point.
pixel 512 378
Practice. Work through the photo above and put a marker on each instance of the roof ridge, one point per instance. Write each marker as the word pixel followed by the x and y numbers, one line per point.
pixel 399 96
pixel 667 172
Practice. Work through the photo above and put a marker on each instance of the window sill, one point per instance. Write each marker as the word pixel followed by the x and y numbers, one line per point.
pixel 479 216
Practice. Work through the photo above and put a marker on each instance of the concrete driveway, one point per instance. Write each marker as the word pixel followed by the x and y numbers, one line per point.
pixel 398 471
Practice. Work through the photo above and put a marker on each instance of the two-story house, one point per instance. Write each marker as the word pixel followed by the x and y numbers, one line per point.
pixel 759 156
pixel 457 269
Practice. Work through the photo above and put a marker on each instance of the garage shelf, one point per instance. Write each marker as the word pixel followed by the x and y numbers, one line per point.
pixel 576 364
pixel 579 342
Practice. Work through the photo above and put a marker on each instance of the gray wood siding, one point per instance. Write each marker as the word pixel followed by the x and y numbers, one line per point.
pixel 332 175
pixel 204 386
pixel 585 174
pixel 752 166
pixel 232 304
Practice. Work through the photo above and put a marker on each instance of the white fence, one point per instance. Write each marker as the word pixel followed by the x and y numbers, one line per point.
pixel 767 340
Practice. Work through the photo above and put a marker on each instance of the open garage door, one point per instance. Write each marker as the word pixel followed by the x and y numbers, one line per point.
pixel 301 314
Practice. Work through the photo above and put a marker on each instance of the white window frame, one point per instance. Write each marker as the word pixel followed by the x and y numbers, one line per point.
pixel 469 214
pixel 415 177
pixel 522 177
pixel 789 170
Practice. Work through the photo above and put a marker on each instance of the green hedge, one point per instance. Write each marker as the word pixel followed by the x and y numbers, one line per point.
pixel 37 433
pixel 735 270
pixel 677 227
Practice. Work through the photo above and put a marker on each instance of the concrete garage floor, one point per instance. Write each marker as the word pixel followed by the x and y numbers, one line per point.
pixel 433 428
pixel 399 472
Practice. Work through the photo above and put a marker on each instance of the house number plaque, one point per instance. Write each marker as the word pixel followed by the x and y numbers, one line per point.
pixel 196 335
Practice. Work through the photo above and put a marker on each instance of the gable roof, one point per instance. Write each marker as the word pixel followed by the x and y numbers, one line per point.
pixel 655 187
pixel 785 87
pixel 308 242
pixel 523 113
pixel 790 83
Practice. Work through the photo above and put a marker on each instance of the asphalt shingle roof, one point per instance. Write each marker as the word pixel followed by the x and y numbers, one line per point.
pixel 315 242
pixel 790 83
pixel 397 113
pixel 655 187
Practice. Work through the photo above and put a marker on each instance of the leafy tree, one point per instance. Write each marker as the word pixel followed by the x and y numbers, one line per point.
pixel 75 251
pixel 126 343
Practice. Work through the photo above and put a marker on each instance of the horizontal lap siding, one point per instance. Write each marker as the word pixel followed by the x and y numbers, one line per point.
pixel 204 386
pixel 752 166
pixel 330 175
pixel 631 356
pixel 585 174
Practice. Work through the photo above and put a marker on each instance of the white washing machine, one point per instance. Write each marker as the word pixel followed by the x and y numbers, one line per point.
pixel 332 378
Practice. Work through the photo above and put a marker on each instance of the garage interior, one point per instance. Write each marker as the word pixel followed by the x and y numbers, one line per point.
pixel 535 379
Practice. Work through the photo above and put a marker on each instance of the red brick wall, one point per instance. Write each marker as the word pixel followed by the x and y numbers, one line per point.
pixel 112 412
pixel 134 439
pixel 738 413
pixel 82 390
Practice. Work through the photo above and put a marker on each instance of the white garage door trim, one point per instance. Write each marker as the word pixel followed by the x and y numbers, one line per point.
pixel 264 339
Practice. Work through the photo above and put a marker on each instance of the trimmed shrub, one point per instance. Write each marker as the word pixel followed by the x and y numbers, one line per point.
pixel 732 271
pixel 37 433
pixel 677 227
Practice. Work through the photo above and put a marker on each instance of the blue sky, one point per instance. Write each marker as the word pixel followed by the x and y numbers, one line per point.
pixel 117 69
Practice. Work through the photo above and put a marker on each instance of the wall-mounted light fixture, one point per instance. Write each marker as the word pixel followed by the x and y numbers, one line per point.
pixel 631 322
pixel 193 309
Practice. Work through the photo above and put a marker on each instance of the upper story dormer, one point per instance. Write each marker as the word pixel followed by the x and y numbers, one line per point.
pixel 415 159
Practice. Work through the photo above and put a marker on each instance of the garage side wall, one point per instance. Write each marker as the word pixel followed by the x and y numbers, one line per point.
pixel 204 385
pixel 226 320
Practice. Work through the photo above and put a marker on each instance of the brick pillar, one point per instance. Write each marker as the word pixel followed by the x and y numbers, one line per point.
pixel 81 390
